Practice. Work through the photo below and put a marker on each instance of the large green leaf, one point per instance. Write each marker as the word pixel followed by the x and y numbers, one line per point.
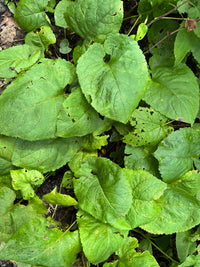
pixel 174 92
pixel 177 153
pixel 37 244
pixel 17 58
pixel 180 212
pixel 99 240
pixel 46 155
pixel 30 15
pixel 30 104
pixel 77 117
pixel 146 191
pixel 150 128
pixel 25 180
pixel 185 245
pixel 113 76
pixel 91 19
pixel 103 189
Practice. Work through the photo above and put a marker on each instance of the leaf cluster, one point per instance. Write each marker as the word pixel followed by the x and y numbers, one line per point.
pixel 114 102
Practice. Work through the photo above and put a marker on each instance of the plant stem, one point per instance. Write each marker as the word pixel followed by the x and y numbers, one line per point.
pixel 165 37
pixel 167 256
pixel 133 25
pixel 167 13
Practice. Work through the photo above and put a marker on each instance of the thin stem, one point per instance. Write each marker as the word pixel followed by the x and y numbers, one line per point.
pixel 133 25
pixel 165 37
pixel 167 13
pixel 167 256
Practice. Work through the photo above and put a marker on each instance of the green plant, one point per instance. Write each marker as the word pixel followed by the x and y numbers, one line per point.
pixel 125 127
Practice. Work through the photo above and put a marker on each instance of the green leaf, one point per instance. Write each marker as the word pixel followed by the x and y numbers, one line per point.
pixel 103 189
pixel 191 260
pixel 141 158
pixel 180 212
pixel 49 247
pixel 99 240
pixel 150 128
pixel 177 152
pixel 17 58
pixel 159 30
pixel 25 180
pixel 12 217
pixel 46 155
pixel 77 117
pixel 141 31
pixel 7 145
pixel 113 76
pixel 30 104
pixel 174 92
pixel 64 47
pixel 190 182
pixel 184 245
pixel 41 39
pixel 56 198
pixel 183 44
pixel 31 15
pixel 195 49
pixel 91 19
pixel 146 191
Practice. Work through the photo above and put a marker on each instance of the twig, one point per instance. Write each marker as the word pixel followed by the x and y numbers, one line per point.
pixel 167 13
pixel 165 37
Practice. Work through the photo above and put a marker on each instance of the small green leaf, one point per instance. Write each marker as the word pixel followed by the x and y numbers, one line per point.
pixel 103 189
pixel 174 92
pixel 49 247
pixel 56 198
pixel 191 260
pixel 25 180
pixel 177 153
pixel 91 19
pixel 141 31
pixel 30 104
pixel 113 76
pixel 31 15
pixel 150 128
pixel 64 47
pixel 99 240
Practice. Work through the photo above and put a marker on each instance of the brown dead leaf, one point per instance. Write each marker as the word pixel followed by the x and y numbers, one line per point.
pixel 190 24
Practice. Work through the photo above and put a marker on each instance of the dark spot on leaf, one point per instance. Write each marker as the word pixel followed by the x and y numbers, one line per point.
pixel 29 55
pixel 93 173
pixel 151 112
pixel 106 59
pixel 12 68
pixel 4 147
pixel 142 131
pixel 114 14
pixel 161 30
pixel 45 237
pixel 25 170
pixel 73 120
pixel 68 114
pixel 39 62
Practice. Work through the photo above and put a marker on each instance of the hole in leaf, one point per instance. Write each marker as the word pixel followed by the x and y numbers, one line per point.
pixel 114 14
pixel 106 59
pixel 161 30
